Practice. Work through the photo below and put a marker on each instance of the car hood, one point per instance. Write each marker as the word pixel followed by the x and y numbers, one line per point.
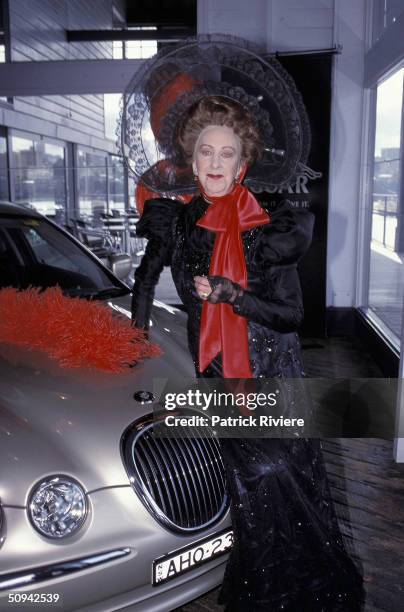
pixel 59 421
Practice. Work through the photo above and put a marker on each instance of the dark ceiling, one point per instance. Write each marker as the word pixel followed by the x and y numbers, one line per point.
pixel 176 13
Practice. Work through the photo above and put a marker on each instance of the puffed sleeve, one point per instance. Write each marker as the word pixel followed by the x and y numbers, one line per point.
pixel 274 299
pixel 155 224
pixel 286 238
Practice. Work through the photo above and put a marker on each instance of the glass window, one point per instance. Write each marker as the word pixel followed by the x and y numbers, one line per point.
pixel 4 191
pixel 39 175
pixel 116 192
pixel 112 106
pixel 135 49
pixel 140 49
pixel 92 185
pixel 117 49
pixel 127 49
pixel 131 194
pixel 35 253
pixel 386 280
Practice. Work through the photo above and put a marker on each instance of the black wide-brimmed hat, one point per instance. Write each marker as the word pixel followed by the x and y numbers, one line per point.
pixel 164 88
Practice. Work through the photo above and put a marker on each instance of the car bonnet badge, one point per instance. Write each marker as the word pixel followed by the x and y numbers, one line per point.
pixel 144 397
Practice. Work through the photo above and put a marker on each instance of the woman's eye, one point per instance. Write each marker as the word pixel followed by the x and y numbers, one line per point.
pixel 205 152
pixel 227 154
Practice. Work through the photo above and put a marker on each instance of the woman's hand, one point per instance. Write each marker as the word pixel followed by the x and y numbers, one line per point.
pixel 217 289
pixel 202 287
pixel 223 290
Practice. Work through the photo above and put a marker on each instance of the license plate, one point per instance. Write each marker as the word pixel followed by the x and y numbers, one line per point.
pixel 185 559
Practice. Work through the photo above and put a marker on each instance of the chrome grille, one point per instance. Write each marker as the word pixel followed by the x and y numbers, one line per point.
pixel 180 480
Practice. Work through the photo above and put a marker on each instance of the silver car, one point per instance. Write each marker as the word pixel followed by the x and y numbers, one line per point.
pixel 96 511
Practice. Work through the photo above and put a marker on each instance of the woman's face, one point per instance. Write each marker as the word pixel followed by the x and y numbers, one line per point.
pixel 217 158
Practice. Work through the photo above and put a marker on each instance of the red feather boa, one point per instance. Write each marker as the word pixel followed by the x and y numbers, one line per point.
pixel 75 332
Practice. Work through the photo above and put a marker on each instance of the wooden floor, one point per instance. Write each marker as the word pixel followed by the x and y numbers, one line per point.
pixel 367 487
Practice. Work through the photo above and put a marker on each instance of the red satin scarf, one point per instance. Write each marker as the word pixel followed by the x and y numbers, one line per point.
pixel 222 330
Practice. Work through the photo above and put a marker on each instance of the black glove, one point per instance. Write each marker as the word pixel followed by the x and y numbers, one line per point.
pixel 223 290
pixel 141 310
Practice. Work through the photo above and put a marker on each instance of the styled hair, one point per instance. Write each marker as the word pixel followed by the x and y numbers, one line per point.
pixel 222 111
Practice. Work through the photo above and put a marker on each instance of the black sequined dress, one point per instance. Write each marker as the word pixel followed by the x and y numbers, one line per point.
pixel 288 551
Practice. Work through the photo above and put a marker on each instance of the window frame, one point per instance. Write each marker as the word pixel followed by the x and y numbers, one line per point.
pixel 13 132
pixel 366 206
pixel 4 134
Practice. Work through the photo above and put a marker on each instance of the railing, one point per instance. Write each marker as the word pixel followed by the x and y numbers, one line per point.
pixel 112 236
pixel 385 219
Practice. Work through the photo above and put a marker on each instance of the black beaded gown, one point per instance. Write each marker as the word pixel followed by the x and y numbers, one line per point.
pixel 288 552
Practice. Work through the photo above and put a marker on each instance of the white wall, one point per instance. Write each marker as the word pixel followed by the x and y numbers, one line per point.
pixel 288 25
pixel 346 141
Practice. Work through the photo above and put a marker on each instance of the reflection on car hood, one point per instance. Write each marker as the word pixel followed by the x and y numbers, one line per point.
pixel 56 420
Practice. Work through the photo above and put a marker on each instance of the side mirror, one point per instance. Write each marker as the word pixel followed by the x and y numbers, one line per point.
pixel 120 265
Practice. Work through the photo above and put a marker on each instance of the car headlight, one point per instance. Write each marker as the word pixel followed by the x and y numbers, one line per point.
pixel 57 507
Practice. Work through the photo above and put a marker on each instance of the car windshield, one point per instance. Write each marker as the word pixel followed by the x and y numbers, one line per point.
pixel 35 253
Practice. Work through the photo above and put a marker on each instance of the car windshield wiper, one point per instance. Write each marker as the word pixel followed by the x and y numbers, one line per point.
pixel 105 293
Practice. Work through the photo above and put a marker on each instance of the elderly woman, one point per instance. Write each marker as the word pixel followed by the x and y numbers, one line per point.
pixel 234 266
